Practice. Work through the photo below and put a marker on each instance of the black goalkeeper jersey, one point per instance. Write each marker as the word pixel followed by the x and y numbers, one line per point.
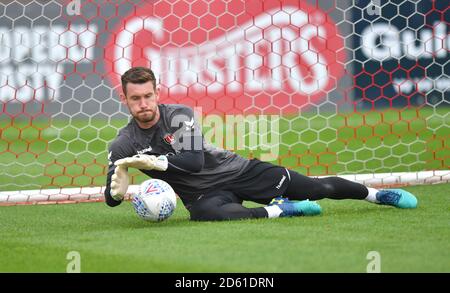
pixel 195 166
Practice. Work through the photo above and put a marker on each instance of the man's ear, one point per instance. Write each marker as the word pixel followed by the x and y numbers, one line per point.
pixel 158 90
pixel 123 98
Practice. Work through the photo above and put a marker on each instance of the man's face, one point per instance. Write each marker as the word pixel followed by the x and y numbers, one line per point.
pixel 142 101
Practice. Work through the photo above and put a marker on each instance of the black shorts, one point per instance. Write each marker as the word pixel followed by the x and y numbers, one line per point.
pixel 260 182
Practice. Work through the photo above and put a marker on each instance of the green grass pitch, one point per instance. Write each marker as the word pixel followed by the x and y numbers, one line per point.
pixel 38 239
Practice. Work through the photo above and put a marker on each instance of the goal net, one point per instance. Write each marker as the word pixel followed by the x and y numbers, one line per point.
pixel 358 89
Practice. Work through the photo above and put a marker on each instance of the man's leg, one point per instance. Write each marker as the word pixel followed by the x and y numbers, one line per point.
pixel 223 205
pixel 302 187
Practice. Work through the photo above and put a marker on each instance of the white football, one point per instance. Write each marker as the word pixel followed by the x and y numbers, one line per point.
pixel 156 200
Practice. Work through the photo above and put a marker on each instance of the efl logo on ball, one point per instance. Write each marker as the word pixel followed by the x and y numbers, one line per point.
pixel 156 200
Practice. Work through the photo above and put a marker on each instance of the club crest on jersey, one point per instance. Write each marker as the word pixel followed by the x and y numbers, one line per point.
pixel 169 139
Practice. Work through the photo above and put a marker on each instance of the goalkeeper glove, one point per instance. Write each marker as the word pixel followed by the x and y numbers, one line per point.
pixel 144 162
pixel 119 183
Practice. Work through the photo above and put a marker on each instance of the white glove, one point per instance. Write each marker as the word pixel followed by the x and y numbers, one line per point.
pixel 119 183
pixel 144 162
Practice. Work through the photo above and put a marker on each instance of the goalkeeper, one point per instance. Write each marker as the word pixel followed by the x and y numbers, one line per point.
pixel 164 142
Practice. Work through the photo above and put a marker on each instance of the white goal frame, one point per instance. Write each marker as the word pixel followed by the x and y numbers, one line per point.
pixel 95 194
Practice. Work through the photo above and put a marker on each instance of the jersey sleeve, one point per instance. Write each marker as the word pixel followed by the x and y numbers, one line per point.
pixel 119 149
pixel 189 157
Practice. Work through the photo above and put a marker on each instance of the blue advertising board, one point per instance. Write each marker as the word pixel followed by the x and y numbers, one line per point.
pixel 401 53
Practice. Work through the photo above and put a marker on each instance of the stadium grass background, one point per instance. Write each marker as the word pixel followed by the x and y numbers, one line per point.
pixel 38 238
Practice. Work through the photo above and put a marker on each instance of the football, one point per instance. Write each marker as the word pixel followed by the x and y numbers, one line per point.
pixel 156 200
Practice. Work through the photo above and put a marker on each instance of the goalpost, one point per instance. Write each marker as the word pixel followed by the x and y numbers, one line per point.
pixel 358 89
pixel 93 194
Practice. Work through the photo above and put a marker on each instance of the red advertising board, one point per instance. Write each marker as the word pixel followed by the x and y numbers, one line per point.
pixel 235 57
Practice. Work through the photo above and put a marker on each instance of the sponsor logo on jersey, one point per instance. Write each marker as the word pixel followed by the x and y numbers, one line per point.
pixel 141 152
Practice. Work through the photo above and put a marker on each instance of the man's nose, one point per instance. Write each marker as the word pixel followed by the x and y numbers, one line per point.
pixel 142 103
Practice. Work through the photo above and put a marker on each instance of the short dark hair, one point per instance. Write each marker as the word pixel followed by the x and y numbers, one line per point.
pixel 137 75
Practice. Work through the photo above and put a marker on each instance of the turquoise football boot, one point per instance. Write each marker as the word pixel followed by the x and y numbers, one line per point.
pixel 292 208
pixel 397 197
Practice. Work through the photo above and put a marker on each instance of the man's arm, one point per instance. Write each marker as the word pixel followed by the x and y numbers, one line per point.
pixel 188 144
pixel 186 162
